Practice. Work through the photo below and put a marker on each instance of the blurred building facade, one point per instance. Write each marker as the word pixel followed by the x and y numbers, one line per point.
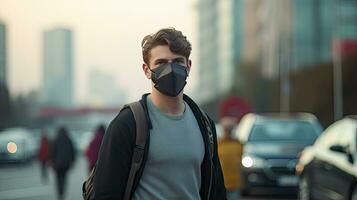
pixel 278 35
pixel 282 35
pixel 58 77
pixel 219 46
pixel 345 28
pixel 248 47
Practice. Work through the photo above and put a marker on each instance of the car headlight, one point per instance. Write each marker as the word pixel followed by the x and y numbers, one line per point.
pixel 12 147
pixel 250 161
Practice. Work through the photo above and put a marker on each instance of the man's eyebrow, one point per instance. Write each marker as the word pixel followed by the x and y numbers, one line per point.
pixel 180 59
pixel 161 60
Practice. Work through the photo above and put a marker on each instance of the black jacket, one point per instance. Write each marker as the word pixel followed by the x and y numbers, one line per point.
pixel 63 153
pixel 116 151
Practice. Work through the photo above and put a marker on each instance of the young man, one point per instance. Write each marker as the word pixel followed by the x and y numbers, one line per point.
pixel 176 163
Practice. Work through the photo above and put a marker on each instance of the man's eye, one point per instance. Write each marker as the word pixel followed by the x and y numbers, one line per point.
pixel 160 62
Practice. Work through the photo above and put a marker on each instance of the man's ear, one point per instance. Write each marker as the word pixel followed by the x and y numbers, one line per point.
pixel 146 70
pixel 189 64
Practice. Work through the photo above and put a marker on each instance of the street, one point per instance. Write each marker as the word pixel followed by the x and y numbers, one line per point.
pixel 23 182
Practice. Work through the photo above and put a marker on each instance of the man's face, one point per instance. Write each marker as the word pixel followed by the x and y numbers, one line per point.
pixel 162 54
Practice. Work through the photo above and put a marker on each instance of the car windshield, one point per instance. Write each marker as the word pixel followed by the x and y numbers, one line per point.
pixel 274 130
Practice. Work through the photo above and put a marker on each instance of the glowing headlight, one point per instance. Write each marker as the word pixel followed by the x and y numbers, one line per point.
pixel 11 147
pixel 247 162
pixel 252 161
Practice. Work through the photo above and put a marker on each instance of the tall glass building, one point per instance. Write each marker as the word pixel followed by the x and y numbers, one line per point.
pixel 58 67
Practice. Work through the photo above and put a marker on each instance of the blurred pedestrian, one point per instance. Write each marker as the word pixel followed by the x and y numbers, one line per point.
pixel 93 148
pixel 44 155
pixel 63 157
pixel 230 154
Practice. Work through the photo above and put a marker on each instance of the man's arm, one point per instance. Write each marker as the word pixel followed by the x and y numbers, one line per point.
pixel 220 191
pixel 114 160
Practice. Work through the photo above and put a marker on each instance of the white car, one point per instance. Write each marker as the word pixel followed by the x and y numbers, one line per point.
pixel 17 145
pixel 328 169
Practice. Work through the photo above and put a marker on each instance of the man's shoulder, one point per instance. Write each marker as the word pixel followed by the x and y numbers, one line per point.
pixel 122 123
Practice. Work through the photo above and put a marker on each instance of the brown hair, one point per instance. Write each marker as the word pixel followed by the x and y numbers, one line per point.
pixel 177 42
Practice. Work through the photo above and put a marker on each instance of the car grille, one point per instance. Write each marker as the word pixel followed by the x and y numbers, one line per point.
pixel 282 171
pixel 281 167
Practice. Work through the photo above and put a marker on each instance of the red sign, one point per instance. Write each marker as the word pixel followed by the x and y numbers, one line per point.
pixel 234 106
pixel 348 47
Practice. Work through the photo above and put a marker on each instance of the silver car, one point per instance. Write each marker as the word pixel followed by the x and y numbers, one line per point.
pixel 17 145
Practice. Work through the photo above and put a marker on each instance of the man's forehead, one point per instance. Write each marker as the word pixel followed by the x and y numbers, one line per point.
pixel 172 57
pixel 163 52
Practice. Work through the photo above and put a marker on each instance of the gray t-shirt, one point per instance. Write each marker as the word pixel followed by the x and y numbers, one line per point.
pixel 173 168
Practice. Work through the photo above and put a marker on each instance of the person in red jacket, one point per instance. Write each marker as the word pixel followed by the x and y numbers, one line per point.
pixel 44 155
pixel 94 146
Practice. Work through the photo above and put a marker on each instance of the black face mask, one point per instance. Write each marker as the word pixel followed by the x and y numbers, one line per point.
pixel 169 78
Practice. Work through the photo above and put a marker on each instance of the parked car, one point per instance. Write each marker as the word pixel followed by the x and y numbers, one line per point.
pixel 272 143
pixel 17 145
pixel 328 169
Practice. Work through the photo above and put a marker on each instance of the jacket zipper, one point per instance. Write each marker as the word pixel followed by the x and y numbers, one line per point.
pixel 211 167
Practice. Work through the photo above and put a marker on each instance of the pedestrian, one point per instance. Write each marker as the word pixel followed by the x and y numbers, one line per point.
pixel 63 158
pixel 178 162
pixel 44 156
pixel 230 154
pixel 93 148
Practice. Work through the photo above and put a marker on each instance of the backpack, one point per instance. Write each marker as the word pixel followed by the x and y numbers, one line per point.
pixel 139 150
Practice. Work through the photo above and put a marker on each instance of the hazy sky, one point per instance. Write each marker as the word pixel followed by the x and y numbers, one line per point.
pixel 107 36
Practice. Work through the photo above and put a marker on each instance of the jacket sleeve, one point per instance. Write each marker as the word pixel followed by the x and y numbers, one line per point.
pixel 219 192
pixel 114 159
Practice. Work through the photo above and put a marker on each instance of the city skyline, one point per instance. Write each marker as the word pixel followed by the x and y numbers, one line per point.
pixel 106 34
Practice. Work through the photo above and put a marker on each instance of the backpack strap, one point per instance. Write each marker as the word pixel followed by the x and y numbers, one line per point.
pixel 140 142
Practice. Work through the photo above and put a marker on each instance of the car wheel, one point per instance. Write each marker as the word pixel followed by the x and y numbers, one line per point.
pixel 304 189
pixel 354 193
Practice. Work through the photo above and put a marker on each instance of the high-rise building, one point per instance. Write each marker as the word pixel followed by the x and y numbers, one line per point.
pixel 2 54
pixel 58 78
pixel 219 46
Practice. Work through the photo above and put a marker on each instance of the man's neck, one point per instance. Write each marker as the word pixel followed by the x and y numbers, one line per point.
pixel 166 104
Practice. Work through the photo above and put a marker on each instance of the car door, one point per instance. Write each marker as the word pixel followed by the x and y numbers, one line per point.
pixel 333 168
pixel 323 163
pixel 342 167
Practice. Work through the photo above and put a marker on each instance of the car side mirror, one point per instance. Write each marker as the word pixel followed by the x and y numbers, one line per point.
pixel 342 149
pixel 338 148
pixel 350 158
